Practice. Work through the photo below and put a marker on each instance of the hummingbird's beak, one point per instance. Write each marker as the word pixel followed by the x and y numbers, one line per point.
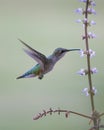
pixel 74 50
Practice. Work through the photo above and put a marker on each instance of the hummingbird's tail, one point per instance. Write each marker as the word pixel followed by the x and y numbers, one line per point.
pixel 30 73
pixel 20 77
pixel 26 76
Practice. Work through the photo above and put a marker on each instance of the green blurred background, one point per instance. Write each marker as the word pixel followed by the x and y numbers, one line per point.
pixel 46 25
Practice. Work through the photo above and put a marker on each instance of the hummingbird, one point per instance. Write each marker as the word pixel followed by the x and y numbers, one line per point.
pixel 44 64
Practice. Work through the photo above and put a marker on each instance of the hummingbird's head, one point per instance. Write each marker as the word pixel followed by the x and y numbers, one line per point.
pixel 60 52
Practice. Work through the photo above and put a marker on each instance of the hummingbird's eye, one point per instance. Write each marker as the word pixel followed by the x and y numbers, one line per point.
pixel 61 51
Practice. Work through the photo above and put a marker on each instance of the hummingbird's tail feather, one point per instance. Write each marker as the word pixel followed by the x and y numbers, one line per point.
pixel 20 77
pixel 26 76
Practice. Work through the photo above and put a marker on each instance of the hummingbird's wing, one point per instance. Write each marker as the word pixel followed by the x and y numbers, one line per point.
pixel 37 56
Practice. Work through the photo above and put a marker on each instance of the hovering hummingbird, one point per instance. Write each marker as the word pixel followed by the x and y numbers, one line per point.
pixel 45 64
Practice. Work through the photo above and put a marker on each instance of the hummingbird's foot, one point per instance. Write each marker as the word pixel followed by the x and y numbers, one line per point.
pixel 41 76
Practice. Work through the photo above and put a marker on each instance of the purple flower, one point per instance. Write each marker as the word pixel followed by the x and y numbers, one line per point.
pixel 81 53
pixel 78 20
pixel 86 91
pixel 82 72
pixel 91 11
pixel 79 10
pixel 94 70
pixel 84 52
pixel 83 0
pixel 85 20
pixel 91 35
pixel 92 22
pixel 94 90
pixel 92 3
pixel 92 53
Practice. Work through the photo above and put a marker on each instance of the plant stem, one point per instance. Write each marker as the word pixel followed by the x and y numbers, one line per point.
pixel 95 120
pixel 88 58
